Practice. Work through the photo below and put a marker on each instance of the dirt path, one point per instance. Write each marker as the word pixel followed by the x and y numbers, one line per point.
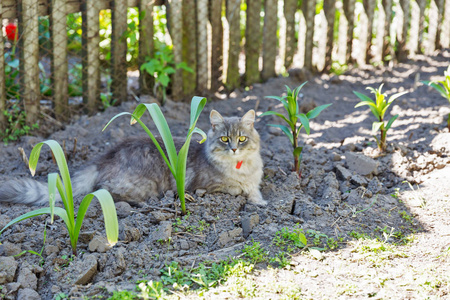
pixel 378 236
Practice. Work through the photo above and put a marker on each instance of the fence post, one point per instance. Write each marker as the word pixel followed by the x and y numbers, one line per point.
pixel 29 41
pixel 440 23
pixel 176 32
pixel 385 53
pixel 349 10
pixel 289 9
pixel 146 45
pixel 2 81
pixel 309 11
pixel 369 8
pixel 202 45
pixel 252 41
pixel 90 59
pixel 269 45
pixel 189 47
pixel 329 7
pixel 216 44
pixel 119 80
pixel 234 37
pixel 402 51
pixel 58 29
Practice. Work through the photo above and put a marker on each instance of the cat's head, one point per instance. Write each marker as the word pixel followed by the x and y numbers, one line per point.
pixel 233 137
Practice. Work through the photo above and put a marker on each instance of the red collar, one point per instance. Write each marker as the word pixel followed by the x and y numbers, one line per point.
pixel 239 164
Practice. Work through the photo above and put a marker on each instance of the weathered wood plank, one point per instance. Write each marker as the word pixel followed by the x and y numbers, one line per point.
pixel 234 38
pixel 2 79
pixel 202 45
pixel 349 10
pixel 329 7
pixel 309 11
pixel 119 81
pixel 402 54
pixel 269 45
pixel 252 41
pixel 176 32
pixel 290 7
pixel 189 48
pixel 58 25
pixel 146 44
pixel 215 18
pixel 29 41
pixel 369 8
pixel 91 61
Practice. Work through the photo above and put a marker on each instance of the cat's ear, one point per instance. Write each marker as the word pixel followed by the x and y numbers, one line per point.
pixel 215 118
pixel 249 118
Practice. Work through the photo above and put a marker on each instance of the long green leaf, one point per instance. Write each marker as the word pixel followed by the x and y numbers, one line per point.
pixel 281 99
pixel 389 124
pixel 395 96
pixel 316 111
pixel 297 92
pixel 197 105
pixel 42 211
pixel 270 112
pixel 109 215
pixel 163 129
pixel 376 126
pixel 52 177
pixel 363 97
pixel 63 170
pixel 305 122
pixel 286 131
pixel 437 87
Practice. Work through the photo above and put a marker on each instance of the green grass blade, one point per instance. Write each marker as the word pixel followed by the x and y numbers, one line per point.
pixel 316 111
pixel 109 215
pixel 42 211
pixel 267 113
pixel 296 93
pixel 438 88
pixel 62 166
pixel 376 126
pixel 363 97
pixel 200 132
pixel 115 117
pixel 305 122
pixel 163 129
pixel 389 124
pixel 52 177
pixel 197 105
pixel 281 99
pixel 286 131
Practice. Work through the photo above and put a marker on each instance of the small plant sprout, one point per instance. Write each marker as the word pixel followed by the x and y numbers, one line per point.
pixel 175 162
pixel 64 188
pixel 379 108
pixel 295 120
pixel 443 87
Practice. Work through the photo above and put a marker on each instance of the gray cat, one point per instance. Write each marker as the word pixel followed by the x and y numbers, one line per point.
pixel 133 171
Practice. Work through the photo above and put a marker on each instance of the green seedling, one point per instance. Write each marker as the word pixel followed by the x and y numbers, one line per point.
pixel 443 87
pixel 34 252
pixel 175 162
pixel 64 188
pixel 291 105
pixel 379 108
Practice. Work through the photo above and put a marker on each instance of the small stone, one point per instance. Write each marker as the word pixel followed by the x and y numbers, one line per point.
pixel 348 147
pixel 375 186
pixel 343 173
pixel 358 180
pixel 86 270
pixel 99 244
pixel 123 209
pixel 163 232
pixel 227 236
pixel 335 157
pixel 200 192
pixel 28 294
pixel 160 216
pixel 248 223
pixel 27 279
pixel 86 236
pixel 361 164
pixel 184 245
pixel 8 267
pixel 50 249
pixel 11 249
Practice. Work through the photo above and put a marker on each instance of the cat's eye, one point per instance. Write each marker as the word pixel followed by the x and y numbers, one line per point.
pixel 242 139
pixel 224 139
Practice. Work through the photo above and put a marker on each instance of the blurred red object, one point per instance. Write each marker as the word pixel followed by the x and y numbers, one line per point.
pixel 11 32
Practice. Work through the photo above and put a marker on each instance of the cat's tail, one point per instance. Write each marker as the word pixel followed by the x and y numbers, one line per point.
pixel 31 192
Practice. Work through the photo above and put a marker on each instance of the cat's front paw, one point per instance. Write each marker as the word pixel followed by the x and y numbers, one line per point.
pixel 256 198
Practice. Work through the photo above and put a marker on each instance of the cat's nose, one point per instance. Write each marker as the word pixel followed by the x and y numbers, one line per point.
pixel 234 150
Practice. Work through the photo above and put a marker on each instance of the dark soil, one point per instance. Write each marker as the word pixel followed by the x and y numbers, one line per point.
pixel 347 191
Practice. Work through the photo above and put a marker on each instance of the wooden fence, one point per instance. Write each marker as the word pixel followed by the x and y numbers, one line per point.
pixel 215 37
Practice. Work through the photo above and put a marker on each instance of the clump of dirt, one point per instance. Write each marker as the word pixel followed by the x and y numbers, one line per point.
pixel 347 190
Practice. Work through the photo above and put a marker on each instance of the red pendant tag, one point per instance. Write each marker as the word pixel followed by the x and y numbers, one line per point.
pixel 239 164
